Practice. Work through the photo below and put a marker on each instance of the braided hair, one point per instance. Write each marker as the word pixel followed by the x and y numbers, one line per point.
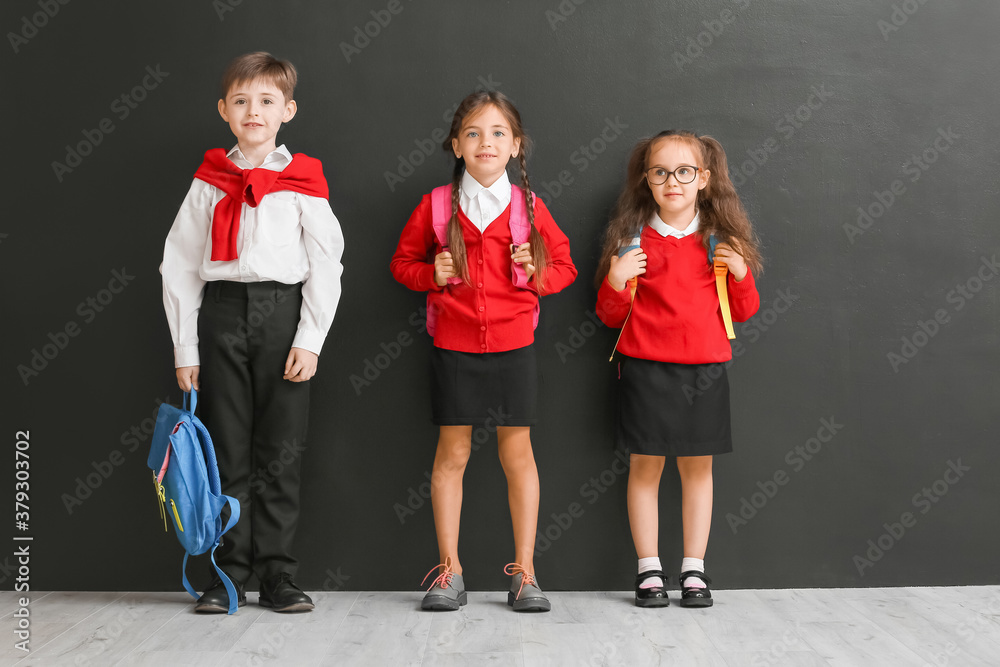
pixel 471 106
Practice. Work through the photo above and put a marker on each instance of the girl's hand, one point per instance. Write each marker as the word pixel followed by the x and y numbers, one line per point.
pixel 444 268
pixel 737 265
pixel 626 267
pixel 300 365
pixel 522 255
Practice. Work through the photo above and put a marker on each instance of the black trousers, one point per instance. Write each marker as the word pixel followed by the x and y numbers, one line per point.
pixel 257 420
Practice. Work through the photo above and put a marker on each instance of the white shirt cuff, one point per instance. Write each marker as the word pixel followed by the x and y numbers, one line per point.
pixel 186 355
pixel 309 340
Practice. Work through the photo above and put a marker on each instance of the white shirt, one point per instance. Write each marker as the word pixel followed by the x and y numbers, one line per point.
pixel 663 229
pixel 484 205
pixel 289 238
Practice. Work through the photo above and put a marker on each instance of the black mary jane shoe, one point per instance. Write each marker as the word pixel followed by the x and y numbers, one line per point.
pixel 695 597
pixel 651 597
pixel 215 599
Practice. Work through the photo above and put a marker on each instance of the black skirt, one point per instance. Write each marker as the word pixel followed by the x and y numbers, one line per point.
pixel 494 388
pixel 667 409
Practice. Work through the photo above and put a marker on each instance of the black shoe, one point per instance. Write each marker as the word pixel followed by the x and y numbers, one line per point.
pixel 651 597
pixel 215 599
pixel 281 594
pixel 695 597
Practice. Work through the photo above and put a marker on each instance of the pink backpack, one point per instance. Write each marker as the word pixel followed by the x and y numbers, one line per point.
pixel 520 231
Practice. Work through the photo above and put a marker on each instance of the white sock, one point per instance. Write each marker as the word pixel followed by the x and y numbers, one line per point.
pixel 647 564
pixel 696 564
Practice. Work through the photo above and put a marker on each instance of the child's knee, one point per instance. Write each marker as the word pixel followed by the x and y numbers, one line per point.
pixel 515 460
pixel 646 465
pixel 452 455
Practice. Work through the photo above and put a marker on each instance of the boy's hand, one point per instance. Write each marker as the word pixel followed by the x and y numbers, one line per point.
pixel 300 365
pixel 522 255
pixel 444 268
pixel 626 267
pixel 187 376
pixel 737 265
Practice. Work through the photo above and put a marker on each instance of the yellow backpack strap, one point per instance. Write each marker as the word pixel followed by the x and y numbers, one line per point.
pixel 721 272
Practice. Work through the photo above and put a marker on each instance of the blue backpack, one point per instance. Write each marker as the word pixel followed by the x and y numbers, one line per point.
pixel 186 477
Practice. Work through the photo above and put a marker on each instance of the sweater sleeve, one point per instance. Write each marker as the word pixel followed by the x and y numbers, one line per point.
pixel 613 305
pixel 409 263
pixel 743 297
pixel 560 271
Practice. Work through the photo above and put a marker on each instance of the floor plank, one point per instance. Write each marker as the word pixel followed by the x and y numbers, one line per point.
pixel 50 616
pixel 291 639
pixel 806 627
pixel 381 629
pixel 920 627
pixel 112 632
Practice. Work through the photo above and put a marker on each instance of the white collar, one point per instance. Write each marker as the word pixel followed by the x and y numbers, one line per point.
pixel 665 230
pixel 279 154
pixel 500 188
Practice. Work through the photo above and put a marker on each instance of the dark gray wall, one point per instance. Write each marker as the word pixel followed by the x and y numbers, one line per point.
pixel 838 296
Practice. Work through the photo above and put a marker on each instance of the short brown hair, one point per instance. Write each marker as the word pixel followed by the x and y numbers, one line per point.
pixel 260 65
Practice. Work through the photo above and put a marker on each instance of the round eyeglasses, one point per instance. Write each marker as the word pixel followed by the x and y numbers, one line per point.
pixel 684 174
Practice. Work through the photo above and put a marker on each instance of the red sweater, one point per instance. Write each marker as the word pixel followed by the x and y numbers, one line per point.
pixel 676 315
pixel 491 315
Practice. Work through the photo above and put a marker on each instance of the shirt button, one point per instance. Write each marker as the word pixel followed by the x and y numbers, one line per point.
pixel 479 284
pixel 482 328
pixel 483 346
pixel 480 261
pixel 481 309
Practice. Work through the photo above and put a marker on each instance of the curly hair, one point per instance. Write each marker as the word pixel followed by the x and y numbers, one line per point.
pixel 719 207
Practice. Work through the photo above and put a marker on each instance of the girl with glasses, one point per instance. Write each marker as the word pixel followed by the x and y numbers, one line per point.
pixel 657 283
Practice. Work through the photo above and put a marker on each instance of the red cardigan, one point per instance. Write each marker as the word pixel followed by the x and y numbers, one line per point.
pixel 491 315
pixel 676 315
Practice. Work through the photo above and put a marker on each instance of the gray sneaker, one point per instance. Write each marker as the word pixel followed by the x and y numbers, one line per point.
pixel 524 594
pixel 447 591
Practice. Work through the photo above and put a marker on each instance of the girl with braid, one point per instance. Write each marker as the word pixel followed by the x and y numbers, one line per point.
pixel 484 250
pixel 656 282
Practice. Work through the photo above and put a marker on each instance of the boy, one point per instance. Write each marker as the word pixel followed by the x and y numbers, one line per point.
pixel 251 280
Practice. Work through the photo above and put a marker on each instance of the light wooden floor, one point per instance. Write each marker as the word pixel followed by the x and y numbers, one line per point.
pixel 888 626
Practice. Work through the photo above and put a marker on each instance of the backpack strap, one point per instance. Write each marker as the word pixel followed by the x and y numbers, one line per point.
pixel 440 216
pixel 190 400
pixel 234 602
pixel 234 516
pixel 721 271
pixel 520 232
pixel 633 285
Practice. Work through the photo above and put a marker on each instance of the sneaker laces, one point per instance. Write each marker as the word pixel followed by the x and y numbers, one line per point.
pixel 514 569
pixel 443 579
